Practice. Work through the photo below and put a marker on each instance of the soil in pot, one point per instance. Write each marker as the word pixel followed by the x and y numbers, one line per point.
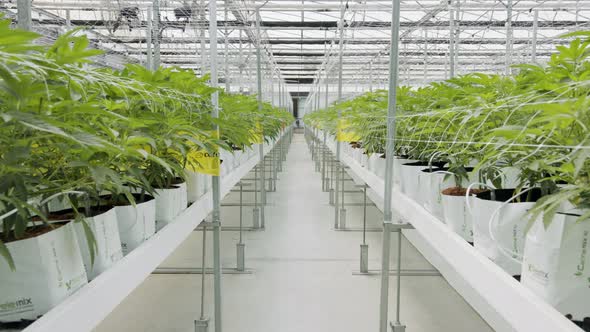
pixel 584 324
pixel 460 191
pixel 34 231
pixel 503 195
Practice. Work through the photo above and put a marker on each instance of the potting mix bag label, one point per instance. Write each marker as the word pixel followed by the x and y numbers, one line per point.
pixel 556 264
pixel 49 268
pixel 343 134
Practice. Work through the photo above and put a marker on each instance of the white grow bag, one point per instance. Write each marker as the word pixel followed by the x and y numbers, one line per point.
pixel 136 223
pixel 169 203
pixel 49 268
pixel 195 185
pixel 379 167
pixel 456 215
pixel 410 177
pixel 507 221
pixel 433 185
pixel 105 229
pixel 556 264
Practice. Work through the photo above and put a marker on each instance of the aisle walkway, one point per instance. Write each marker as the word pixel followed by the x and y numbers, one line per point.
pixel 302 277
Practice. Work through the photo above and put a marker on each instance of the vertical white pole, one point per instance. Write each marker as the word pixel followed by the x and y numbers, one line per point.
pixel 389 151
pixel 226 49
pixel 68 19
pixel 371 76
pixel 241 65
pixel 260 100
pixel 202 37
pixel 451 41
pixel 23 14
pixel 425 55
pixel 216 179
pixel 457 35
pixel 509 37
pixel 338 145
pixel 156 34
pixel 148 43
pixel 534 42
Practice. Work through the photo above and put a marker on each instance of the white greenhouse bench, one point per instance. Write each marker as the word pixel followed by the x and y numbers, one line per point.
pixel 86 308
pixel 505 304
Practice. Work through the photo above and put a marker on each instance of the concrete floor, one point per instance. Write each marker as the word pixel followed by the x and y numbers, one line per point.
pixel 302 273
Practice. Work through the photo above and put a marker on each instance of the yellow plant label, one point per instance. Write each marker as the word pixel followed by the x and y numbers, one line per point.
pixel 202 161
pixel 257 134
pixel 343 133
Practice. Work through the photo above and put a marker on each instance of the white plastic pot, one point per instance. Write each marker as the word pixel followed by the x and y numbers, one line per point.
pixel 364 159
pixel 49 268
pixel 410 178
pixel 397 170
pixel 206 182
pixel 507 222
pixel 183 199
pixel 439 181
pixel 227 162
pixel 379 168
pixel 105 229
pixel 194 185
pixel 556 263
pixel 168 205
pixel 430 181
pixel 456 216
pixel 136 223
pixel 371 162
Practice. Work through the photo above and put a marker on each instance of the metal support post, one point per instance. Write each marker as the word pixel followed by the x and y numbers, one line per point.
pixel 216 190
pixel 202 38
pixel 535 32
pixel 256 210
pixel 148 41
pixel 240 246
pixel 156 35
pixel 324 147
pixel 332 180
pixel 371 76
pixel 451 40
pixel 342 209
pixel 387 210
pixel 273 166
pixel 68 19
pixel 509 37
pixel 364 263
pixel 338 145
pixel 23 14
pixel 202 324
pixel 226 47
pixel 261 146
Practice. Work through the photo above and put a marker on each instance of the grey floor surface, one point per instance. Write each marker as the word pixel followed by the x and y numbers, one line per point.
pixel 302 273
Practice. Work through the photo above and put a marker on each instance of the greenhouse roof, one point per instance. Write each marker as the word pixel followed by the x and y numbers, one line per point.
pixel 300 39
